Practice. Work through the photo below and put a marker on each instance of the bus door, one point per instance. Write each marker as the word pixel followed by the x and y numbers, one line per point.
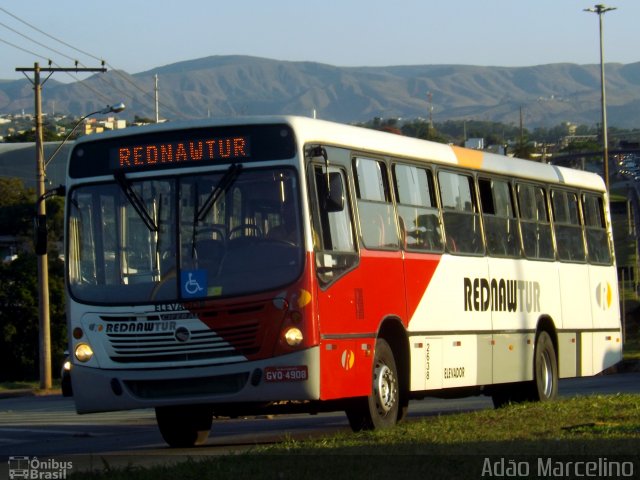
pixel 513 282
pixel 356 287
pixel 460 303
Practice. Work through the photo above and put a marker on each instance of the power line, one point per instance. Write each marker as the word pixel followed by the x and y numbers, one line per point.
pixel 25 50
pixel 36 42
pixel 87 86
pixel 144 92
pixel 147 96
pixel 59 53
pixel 78 80
pixel 50 36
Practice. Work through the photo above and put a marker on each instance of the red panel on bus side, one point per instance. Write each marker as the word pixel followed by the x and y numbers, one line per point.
pixel 351 311
pixel 419 269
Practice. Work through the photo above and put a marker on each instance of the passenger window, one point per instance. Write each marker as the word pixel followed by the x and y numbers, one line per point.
pixel 534 222
pixel 498 213
pixel 418 215
pixel 566 218
pixel 460 214
pixel 598 245
pixel 377 219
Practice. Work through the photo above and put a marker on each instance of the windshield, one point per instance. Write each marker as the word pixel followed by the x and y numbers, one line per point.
pixel 188 237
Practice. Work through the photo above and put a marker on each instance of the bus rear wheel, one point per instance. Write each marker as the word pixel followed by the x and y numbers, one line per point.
pixel 545 370
pixel 184 426
pixel 381 409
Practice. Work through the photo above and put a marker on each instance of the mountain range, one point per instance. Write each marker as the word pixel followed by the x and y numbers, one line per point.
pixel 241 85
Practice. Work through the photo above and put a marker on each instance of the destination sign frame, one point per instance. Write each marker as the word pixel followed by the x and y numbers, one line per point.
pixel 181 148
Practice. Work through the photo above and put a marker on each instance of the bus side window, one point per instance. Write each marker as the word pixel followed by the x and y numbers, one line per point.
pixel 500 223
pixel 375 210
pixel 417 209
pixel 534 222
pixel 333 232
pixel 598 245
pixel 460 213
pixel 566 224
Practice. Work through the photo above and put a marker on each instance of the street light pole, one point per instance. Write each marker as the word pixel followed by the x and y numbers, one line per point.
pixel 601 10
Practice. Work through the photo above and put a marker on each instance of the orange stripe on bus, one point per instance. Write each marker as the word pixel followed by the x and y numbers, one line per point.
pixel 467 157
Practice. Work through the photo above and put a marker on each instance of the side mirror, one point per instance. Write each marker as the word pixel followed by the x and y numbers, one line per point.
pixel 334 199
pixel 41 234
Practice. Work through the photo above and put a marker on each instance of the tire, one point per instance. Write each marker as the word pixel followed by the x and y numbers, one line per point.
pixel 184 426
pixel 545 370
pixel 382 408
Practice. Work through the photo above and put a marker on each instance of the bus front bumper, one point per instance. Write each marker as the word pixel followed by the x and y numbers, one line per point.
pixel 288 377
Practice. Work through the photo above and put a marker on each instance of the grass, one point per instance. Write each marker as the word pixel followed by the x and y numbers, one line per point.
pixel 8 386
pixel 447 446
pixel 33 385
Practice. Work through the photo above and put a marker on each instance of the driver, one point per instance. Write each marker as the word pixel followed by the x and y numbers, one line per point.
pixel 287 230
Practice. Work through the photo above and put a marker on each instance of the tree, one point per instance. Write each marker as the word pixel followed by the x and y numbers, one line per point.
pixel 19 317
pixel 523 150
pixel 48 135
pixel 16 207
pixel 18 285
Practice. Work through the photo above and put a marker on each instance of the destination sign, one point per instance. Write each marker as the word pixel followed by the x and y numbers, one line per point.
pixel 149 150
pixel 140 156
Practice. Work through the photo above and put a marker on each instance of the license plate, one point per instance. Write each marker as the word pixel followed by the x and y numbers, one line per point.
pixel 298 373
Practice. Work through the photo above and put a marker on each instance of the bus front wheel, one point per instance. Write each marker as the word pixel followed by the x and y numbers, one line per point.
pixel 184 426
pixel 380 409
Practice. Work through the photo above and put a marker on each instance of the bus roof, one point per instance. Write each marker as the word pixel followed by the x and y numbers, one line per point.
pixel 322 132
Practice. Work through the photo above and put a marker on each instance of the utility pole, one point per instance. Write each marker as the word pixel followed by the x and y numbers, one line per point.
pixel 43 267
pixel 157 101
pixel 430 101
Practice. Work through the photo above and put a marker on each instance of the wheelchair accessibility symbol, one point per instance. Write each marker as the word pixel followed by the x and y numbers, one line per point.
pixel 194 283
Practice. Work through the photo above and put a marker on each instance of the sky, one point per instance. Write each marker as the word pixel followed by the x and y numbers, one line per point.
pixel 136 35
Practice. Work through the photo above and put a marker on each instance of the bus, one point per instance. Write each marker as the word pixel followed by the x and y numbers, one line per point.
pixel 286 264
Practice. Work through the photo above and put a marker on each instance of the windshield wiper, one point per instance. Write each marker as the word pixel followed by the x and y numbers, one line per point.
pixel 136 202
pixel 223 185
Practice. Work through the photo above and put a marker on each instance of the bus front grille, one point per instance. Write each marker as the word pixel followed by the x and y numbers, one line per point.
pixel 184 345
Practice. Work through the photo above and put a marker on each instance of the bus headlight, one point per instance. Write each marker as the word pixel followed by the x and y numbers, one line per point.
pixel 293 336
pixel 83 352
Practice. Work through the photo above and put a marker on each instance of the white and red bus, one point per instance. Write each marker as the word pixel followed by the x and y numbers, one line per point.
pixel 287 264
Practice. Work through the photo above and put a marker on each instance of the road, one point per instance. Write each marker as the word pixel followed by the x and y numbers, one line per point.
pixel 47 426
